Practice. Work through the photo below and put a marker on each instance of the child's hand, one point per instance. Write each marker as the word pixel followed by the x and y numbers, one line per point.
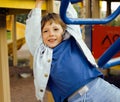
pixel 38 3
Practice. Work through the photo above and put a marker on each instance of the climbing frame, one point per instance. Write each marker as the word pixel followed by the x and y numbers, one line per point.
pixel 12 7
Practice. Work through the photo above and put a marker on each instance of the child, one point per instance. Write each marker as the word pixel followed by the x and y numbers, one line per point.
pixel 62 61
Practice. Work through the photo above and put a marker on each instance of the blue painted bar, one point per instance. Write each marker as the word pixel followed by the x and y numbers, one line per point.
pixel 109 53
pixel 104 61
pixel 64 6
pixel 111 63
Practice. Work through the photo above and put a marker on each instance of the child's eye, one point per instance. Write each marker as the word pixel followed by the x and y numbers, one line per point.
pixel 45 31
pixel 56 29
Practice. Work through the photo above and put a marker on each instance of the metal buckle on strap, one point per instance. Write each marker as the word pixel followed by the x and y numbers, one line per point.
pixel 80 91
pixel 83 90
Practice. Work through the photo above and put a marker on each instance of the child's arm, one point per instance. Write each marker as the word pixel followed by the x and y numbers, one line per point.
pixel 38 3
pixel 71 12
pixel 33 28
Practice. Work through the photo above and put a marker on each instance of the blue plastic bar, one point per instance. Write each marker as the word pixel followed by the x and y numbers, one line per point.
pixel 112 62
pixel 75 1
pixel 63 9
pixel 109 53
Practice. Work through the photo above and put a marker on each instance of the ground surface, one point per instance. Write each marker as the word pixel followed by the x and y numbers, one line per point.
pixel 22 89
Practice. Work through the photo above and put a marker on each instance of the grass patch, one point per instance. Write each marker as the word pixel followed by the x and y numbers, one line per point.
pixel 8 35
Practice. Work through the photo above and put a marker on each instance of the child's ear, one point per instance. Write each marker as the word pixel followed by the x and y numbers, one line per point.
pixel 63 34
pixel 64 31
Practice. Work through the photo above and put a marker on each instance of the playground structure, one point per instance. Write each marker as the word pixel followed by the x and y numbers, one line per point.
pixel 112 50
pixel 10 7
pixel 20 32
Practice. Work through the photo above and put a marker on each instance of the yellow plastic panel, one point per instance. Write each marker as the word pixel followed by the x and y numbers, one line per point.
pixel 20 4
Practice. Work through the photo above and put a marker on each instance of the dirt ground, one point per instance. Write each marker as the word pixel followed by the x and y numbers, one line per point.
pixel 22 89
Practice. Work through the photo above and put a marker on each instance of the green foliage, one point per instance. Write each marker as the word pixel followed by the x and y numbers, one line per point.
pixel 8 35
pixel 21 18
pixel 115 22
pixel 78 9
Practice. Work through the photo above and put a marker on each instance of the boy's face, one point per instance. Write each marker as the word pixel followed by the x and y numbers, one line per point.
pixel 52 34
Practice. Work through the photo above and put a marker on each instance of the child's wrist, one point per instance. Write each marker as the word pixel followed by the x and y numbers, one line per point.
pixel 38 3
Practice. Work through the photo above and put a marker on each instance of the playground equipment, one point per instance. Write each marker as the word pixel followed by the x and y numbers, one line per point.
pixel 23 6
pixel 17 4
pixel 108 54
pixel 12 7
pixel 20 42
pixel 20 32
pixel 102 62
pixel 63 8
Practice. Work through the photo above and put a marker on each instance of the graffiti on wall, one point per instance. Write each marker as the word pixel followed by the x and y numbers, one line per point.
pixel 102 38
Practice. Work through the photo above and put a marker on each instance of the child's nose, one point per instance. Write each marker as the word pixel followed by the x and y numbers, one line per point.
pixel 51 33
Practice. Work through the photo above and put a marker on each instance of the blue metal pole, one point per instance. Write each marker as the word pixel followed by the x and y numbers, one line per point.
pixel 109 53
pixel 64 6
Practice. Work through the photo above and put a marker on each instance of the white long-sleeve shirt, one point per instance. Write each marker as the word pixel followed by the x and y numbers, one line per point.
pixel 43 54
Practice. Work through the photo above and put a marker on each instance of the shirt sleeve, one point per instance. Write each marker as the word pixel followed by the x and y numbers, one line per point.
pixel 72 28
pixel 33 30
